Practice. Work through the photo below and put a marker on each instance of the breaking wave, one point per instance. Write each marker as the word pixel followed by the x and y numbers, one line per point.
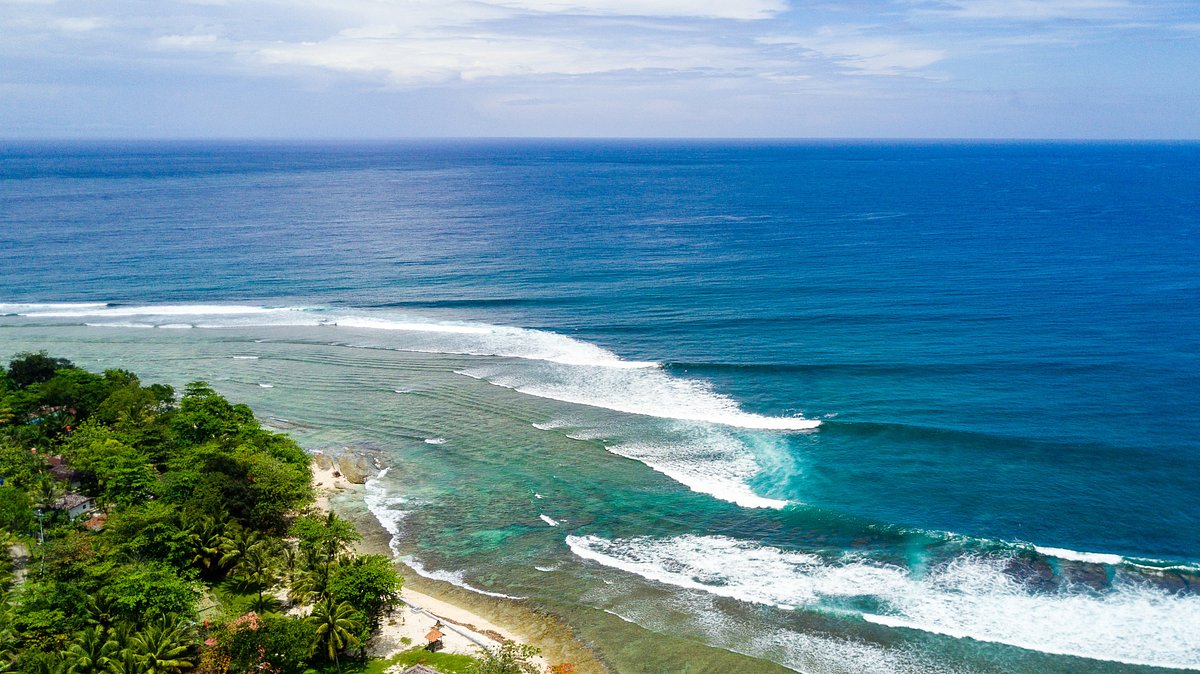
pixel 968 597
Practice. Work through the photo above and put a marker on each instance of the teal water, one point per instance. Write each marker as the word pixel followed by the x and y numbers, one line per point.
pixel 834 407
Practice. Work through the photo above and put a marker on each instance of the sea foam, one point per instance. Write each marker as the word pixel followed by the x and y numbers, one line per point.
pixel 538 363
pixel 968 597
pixel 573 371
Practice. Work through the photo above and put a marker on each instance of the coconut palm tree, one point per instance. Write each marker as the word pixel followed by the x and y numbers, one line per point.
pixel 162 648
pixel 236 544
pixel 91 651
pixel 205 536
pixel 337 628
pixel 309 585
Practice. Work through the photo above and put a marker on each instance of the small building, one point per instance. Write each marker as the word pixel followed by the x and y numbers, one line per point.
pixel 74 504
pixel 63 472
pixel 435 639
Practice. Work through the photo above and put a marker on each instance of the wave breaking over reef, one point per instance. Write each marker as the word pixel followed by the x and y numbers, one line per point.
pixel 968 596
pixel 533 362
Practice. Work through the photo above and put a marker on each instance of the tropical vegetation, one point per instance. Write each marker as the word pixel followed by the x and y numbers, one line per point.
pixel 144 533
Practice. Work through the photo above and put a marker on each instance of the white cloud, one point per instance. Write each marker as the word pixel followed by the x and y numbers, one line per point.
pixel 853 48
pixel 79 24
pixel 713 9
pixel 1032 10
pixel 422 59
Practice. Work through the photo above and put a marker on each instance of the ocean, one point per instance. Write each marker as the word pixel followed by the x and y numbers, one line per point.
pixel 719 406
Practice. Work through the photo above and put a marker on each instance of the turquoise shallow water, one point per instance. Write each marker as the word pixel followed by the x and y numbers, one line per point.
pixel 595 371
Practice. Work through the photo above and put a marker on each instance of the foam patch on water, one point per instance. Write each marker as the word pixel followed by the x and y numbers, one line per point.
pixel 648 392
pixel 435 441
pixel 715 465
pixel 970 597
pixel 548 520
pixel 20 309
pixel 1076 556
pixel 266 386
pixel 245 357
pixel 540 363
pixel 389 509
pixel 453 577
pixel 574 371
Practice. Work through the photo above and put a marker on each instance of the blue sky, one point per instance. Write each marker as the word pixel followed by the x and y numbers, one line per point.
pixel 674 68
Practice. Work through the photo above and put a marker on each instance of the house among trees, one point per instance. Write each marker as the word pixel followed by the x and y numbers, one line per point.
pixel 74 504
pixel 63 472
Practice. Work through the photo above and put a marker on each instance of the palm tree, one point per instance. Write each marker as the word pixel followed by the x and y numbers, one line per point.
pixel 237 544
pixel 205 538
pixel 309 585
pixel 124 662
pixel 162 648
pixel 44 663
pixel 337 626
pixel 91 651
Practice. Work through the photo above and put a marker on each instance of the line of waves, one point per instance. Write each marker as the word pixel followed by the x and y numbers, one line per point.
pixel 535 362
pixel 969 596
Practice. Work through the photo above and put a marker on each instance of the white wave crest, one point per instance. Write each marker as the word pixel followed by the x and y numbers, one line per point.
pixel 970 597
pixel 21 309
pixel 452 577
pixel 548 520
pixel 1076 556
pixel 386 507
pixel 435 441
pixel 716 464
pixel 648 392
pixel 565 369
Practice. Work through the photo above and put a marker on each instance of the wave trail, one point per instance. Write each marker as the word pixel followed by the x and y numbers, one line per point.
pixel 566 369
pixel 969 597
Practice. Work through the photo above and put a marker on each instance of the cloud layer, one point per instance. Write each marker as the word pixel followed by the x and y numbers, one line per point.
pixel 803 63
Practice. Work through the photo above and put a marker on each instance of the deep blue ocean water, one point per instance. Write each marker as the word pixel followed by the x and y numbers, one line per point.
pixel 1001 340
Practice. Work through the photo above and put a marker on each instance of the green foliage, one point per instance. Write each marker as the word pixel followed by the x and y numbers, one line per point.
pixel 193 492
pixel 163 647
pixel 370 583
pixel 204 415
pixel 150 591
pixel 327 536
pixel 151 531
pixel 20 467
pixel 16 514
pixel 337 627
pixel 32 368
pixel 509 658
pixel 282 643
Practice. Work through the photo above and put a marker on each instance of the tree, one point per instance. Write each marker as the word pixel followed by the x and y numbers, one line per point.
pixel 370 582
pixel 280 643
pixel 204 415
pixel 510 658
pixel 33 368
pixel 16 515
pixel 163 647
pixel 337 627
pixel 150 591
pixel 205 536
pixel 91 651
pixel 327 536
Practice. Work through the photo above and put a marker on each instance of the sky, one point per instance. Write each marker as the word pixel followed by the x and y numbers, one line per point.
pixel 1118 69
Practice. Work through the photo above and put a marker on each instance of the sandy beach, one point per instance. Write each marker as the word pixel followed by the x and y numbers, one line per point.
pixel 465 631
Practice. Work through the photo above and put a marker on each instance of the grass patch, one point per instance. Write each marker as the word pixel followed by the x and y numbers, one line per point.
pixel 446 663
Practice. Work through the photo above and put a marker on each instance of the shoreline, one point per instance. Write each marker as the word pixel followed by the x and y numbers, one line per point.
pixel 470 620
